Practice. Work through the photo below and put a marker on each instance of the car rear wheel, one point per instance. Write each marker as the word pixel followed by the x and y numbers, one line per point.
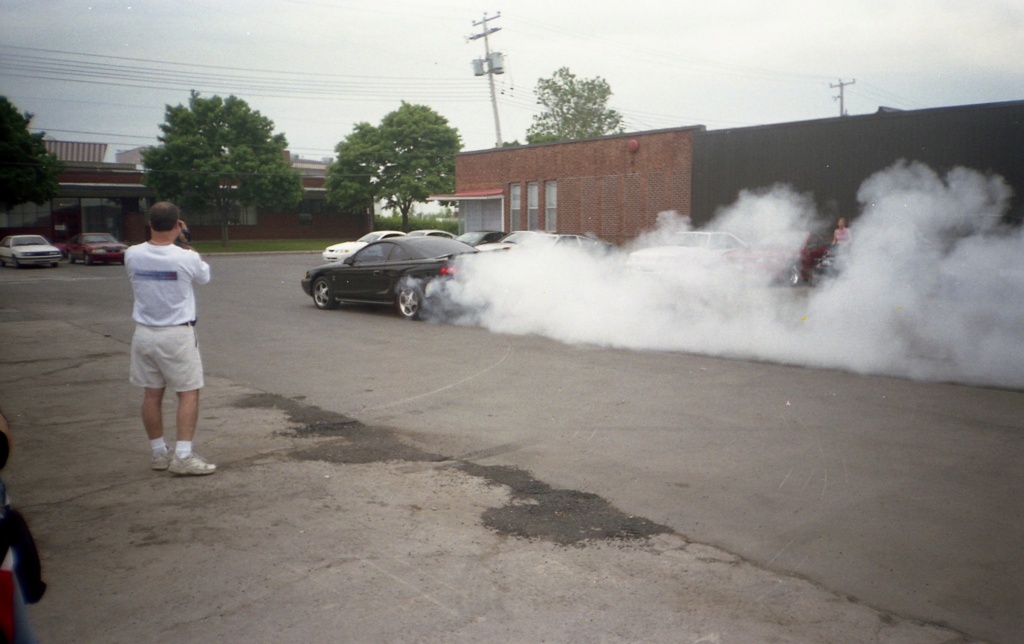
pixel 409 301
pixel 323 294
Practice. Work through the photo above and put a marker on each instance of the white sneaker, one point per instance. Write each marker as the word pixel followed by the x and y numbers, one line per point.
pixel 193 464
pixel 161 462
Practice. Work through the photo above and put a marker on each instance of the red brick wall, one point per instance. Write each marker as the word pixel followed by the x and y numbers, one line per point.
pixel 611 187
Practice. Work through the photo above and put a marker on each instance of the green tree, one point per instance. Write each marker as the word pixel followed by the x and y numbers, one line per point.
pixel 574 109
pixel 219 154
pixel 27 171
pixel 406 158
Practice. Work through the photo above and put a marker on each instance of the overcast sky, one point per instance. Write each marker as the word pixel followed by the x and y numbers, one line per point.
pixel 103 71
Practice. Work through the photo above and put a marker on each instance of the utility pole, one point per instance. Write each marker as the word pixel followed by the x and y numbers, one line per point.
pixel 841 85
pixel 491 64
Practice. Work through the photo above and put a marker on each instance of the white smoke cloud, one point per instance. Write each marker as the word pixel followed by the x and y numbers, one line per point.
pixel 932 287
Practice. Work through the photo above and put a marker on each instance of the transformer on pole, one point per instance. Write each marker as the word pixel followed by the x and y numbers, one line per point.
pixel 492 63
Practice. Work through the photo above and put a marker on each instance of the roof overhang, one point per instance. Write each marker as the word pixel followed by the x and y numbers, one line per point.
pixel 469 195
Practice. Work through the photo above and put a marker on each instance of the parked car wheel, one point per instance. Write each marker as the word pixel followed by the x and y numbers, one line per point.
pixel 86 259
pixel 323 295
pixel 409 301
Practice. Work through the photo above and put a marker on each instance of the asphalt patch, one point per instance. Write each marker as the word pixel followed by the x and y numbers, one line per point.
pixel 536 510
pixel 565 517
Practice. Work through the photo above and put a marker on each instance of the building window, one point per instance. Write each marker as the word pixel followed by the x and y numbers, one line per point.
pixel 515 207
pixel 305 219
pixel 102 216
pixel 238 216
pixel 551 206
pixel 26 215
pixel 532 206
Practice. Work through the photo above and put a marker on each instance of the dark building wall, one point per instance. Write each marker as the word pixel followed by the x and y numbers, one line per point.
pixel 831 158
pixel 124 186
pixel 613 187
pixel 274 225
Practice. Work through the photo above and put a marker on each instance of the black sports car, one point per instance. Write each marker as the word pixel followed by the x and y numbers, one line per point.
pixel 391 271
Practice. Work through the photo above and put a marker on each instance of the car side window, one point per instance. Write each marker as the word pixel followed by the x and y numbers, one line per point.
pixel 398 254
pixel 372 254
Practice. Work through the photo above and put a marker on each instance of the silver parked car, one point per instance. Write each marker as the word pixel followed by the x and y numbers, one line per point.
pixel 20 250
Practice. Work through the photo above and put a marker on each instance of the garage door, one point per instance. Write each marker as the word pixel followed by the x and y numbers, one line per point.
pixel 481 214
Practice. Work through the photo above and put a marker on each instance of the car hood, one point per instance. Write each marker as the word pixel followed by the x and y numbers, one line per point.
pixel 493 246
pixel 668 258
pixel 346 247
pixel 34 248
pixel 113 244
pixel 682 252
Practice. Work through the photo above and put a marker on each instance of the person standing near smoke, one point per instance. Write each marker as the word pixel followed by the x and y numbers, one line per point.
pixel 165 347
pixel 842 234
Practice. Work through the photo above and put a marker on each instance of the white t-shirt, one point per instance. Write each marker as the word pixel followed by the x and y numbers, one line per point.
pixel 162 278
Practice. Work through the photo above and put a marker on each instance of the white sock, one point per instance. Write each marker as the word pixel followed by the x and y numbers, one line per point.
pixel 183 449
pixel 159 445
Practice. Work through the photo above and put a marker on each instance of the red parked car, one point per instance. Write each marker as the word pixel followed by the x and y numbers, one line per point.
pixel 782 260
pixel 92 248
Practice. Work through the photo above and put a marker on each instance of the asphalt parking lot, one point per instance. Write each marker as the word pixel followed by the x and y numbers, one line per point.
pixel 390 481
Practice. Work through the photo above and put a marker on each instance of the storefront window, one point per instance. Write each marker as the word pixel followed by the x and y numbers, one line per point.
pixel 26 215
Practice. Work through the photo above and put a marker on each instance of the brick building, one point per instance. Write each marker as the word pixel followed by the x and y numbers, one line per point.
pixel 612 187
pixel 615 186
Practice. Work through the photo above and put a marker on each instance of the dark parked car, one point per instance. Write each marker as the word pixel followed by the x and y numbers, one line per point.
pixel 477 237
pixel 92 248
pixel 392 271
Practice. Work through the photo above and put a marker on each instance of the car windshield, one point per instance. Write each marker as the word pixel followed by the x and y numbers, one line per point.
pixel 525 236
pixel 472 238
pixel 30 240
pixel 783 239
pixel 425 233
pixel 430 246
pixel 374 236
pixel 690 240
pixel 98 238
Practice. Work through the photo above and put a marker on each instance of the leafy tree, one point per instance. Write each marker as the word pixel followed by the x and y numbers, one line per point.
pixel 219 154
pixel 27 171
pixel 406 158
pixel 575 109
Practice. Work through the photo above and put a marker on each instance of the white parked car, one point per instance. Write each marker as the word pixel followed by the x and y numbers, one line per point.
pixel 685 250
pixel 340 251
pixel 431 233
pixel 19 250
pixel 519 238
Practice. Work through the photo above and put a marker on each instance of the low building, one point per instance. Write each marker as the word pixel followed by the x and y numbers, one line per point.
pixel 112 197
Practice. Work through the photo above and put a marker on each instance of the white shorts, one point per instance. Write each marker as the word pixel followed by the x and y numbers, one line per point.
pixel 166 356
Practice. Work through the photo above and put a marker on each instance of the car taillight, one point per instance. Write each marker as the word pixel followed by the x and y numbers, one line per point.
pixel 447 270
